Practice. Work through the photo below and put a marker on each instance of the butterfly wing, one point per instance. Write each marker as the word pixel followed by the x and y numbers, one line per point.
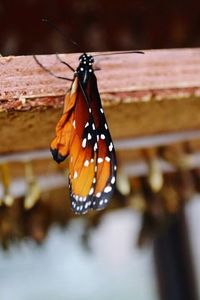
pixel 60 146
pixel 106 157
pixel 82 133
pixel 74 138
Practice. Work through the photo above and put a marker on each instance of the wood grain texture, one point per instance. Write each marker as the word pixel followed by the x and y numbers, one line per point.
pixel 142 94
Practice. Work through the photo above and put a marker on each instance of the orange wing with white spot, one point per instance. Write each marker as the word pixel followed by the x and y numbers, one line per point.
pixel 75 137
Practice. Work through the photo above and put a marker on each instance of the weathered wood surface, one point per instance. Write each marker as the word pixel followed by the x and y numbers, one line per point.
pixel 143 94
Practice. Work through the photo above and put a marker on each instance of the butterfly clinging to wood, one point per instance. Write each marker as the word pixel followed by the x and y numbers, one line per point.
pixel 82 134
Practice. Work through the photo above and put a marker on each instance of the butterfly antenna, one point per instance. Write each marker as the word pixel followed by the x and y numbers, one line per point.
pixel 52 25
pixel 120 52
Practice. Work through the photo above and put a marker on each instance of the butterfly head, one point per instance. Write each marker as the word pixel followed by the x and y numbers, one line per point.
pixel 85 63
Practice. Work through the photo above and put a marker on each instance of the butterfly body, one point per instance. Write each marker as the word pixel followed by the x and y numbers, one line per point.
pixel 82 134
pixel 85 68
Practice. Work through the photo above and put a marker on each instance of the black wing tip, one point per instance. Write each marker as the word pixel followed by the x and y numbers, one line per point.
pixel 80 208
pixel 57 156
pixel 79 205
pixel 102 202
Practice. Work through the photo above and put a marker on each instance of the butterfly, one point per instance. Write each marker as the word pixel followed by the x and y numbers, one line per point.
pixel 82 134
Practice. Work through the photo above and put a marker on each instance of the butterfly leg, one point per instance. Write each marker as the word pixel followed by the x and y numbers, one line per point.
pixel 49 71
pixel 64 62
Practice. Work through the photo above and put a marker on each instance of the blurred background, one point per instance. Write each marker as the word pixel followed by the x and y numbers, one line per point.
pixel 97 25
pixel 125 252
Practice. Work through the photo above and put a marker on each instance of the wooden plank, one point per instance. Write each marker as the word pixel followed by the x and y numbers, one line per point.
pixel 143 94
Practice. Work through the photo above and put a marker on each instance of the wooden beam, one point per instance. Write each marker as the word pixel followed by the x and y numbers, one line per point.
pixel 157 92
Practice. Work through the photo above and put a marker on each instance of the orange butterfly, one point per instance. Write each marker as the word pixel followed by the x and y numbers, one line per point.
pixel 82 134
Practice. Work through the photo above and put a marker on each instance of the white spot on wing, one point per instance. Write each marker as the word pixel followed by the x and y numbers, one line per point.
pixel 100 160
pixel 101 110
pixel 86 125
pixel 113 180
pixel 101 202
pixel 84 143
pixel 75 175
pixel 86 163
pixel 89 136
pixel 106 127
pixel 98 195
pixel 103 137
pixel 107 189
pixel 110 147
pixel 91 191
pixel 107 158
